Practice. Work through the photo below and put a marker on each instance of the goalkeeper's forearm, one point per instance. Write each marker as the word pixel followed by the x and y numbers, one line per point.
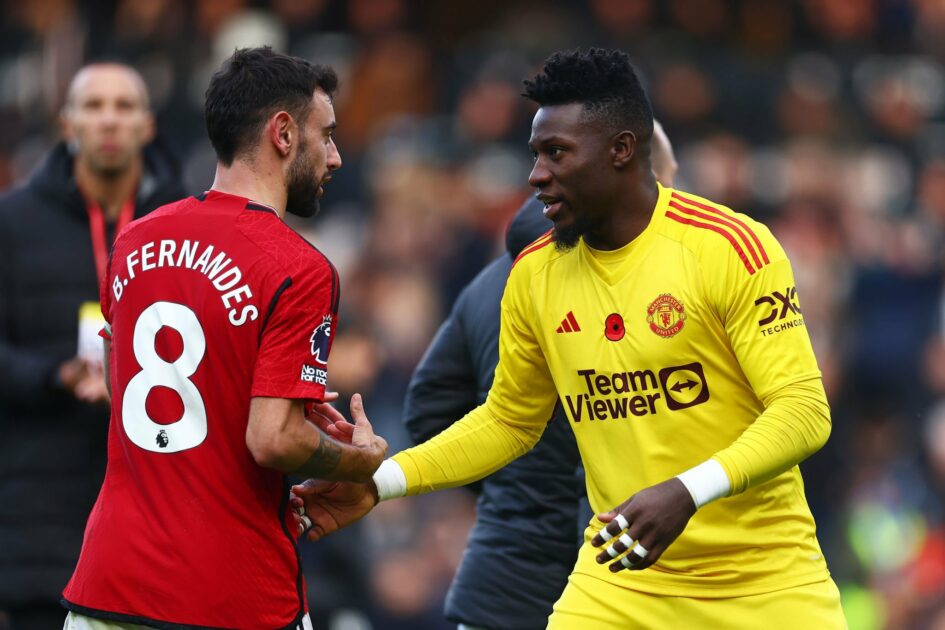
pixel 470 449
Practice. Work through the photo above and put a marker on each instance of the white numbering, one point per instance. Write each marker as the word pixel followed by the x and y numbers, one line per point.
pixel 191 429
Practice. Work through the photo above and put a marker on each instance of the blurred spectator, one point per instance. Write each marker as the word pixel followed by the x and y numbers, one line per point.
pixel 527 512
pixel 56 231
pixel 391 78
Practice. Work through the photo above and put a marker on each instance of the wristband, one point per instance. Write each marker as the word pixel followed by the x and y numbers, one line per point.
pixel 706 482
pixel 390 480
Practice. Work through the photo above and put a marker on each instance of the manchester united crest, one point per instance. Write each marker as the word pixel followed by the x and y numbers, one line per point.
pixel 666 316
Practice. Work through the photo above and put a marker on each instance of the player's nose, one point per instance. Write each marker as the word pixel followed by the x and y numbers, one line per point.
pixel 540 176
pixel 334 157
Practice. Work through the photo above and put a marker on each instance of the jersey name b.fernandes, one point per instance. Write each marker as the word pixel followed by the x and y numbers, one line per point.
pixel 662 353
pixel 210 301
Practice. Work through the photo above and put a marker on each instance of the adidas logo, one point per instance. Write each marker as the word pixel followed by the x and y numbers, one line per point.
pixel 568 324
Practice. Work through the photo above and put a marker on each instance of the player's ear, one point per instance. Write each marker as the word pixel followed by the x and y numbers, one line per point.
pixel 622 148
pixel 282 132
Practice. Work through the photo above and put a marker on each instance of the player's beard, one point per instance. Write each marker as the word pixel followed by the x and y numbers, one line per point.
pixel 567 237
pixel 302 190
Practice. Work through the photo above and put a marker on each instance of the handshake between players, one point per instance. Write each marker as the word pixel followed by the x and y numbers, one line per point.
pixel 324 506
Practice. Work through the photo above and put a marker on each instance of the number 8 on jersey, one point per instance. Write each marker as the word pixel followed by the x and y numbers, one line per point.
pixel 191 429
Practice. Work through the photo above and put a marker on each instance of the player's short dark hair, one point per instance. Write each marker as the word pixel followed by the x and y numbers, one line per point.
pixel 604 81
pixel 253 84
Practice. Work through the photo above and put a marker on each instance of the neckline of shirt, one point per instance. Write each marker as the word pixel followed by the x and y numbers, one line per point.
pixel 610 258
pixel 249 203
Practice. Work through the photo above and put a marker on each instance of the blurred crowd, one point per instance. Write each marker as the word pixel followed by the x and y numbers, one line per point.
pixel 823 119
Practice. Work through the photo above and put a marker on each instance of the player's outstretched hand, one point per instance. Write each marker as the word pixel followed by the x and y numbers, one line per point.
pixel 327 506
pixel 644 526
pixel 372 447
pixel 329 419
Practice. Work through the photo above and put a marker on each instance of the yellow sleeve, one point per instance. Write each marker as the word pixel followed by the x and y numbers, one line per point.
pixel 512 419
pixel 794 425
pixel 765 326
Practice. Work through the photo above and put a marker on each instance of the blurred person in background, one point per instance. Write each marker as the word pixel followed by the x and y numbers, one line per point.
pixel 56 231
pixel 219 322
pixel 528 512
pixel 719 396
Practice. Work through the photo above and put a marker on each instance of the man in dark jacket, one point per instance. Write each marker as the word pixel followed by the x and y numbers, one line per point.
pixel 531 513
pixel 515 565
pixel 56 231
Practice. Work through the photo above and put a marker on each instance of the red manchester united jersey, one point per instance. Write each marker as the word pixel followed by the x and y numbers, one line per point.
pixel 210 301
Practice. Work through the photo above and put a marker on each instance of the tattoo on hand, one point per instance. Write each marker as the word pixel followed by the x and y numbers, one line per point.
pixel 325 459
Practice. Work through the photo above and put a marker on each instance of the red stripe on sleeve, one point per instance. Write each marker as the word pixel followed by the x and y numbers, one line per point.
pixel 721 221
pixel 545 239
pixel 717 229
pixel 764 254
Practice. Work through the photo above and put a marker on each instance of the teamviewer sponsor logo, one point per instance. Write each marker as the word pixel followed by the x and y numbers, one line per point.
pixel 637 393
pixel 684 386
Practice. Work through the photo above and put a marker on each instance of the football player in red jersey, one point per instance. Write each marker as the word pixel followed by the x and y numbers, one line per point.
pixel 220 320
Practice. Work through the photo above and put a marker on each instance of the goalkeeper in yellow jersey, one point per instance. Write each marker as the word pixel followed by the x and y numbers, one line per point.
pixel 671 330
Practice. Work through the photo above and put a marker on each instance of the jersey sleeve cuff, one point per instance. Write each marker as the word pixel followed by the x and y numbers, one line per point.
pixel 706 482
pixel 390 480
pixel 106 331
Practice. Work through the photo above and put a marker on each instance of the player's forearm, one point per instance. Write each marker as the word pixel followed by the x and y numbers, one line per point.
pixel 470 449
pixel 279 437
pixel 311 453
pixel 795 425
pixel 335 461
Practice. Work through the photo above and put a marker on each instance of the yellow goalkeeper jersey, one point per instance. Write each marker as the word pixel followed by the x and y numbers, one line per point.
pixel 662 353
